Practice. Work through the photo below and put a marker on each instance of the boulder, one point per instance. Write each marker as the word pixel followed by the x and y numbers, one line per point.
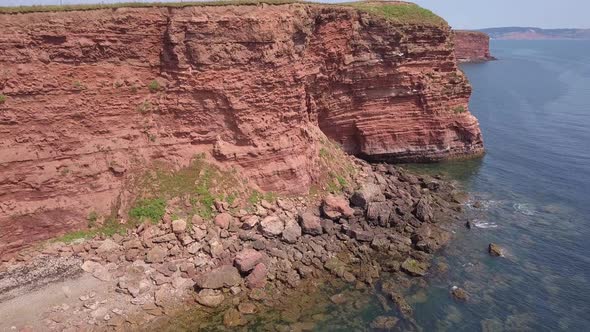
pixel 107 246
pixel 223 220
pixel 379 212
pixel 285 204
pixel 362 235
pixel 257 278
pixel 194 248
pixel 250 222
pixel 223 276
pixel 310 224
pixel 196 220
pixel 247 259
pixel 164 238
pixel 133 244
pixel 369 192
pixel 134 285
pixel 179 226
pixel 97 270
pixel 423 210
pixel 156 255
pixel 292 232
pixel 335 207
pixel 216 248
pixel 210 298
pixel 163 296
pixel 328 226
pixel 413 267
pixel 271 226
pixel 495 250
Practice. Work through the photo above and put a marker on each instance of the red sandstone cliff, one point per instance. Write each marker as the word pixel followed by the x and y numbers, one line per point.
pixel 472 46
pixel 248 85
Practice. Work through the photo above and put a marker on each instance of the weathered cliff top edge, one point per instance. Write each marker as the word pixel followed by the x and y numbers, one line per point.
pixel 400 12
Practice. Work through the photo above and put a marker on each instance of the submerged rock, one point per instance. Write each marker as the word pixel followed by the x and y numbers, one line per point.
pixel 459 293
pixel 495 250
pixel 386 323
pixel 247 308
pixel 233 318
pixel 414 268
pixel 210 298
pixel 491 325
pixel 339 298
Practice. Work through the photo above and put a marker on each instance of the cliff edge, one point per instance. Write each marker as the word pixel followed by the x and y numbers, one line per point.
pixel 92 98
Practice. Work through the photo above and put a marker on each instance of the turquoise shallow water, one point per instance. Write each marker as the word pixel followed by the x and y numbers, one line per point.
pixel 534 190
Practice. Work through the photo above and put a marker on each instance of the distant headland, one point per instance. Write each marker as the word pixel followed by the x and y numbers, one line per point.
pixel 529 33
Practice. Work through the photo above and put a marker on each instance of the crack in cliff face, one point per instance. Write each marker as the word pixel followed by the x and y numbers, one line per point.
pixel 248 85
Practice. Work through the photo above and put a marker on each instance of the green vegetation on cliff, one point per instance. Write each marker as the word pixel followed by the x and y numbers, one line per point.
pixel 59 8
pixel 401 13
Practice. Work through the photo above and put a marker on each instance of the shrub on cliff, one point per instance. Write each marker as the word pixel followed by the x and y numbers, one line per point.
pixel 2 98
pixel 78 85
pixel 459 110
pixel 154 86
pixel 152 209
pixel 144 107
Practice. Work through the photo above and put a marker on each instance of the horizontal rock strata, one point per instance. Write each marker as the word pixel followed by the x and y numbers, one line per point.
pixel 94 97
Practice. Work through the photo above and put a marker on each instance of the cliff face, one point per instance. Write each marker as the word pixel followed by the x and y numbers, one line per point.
pixel 472 46
pixel 247 85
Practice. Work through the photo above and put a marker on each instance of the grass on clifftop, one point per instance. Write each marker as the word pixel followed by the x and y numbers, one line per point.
pixel 402 13
pixel 58 8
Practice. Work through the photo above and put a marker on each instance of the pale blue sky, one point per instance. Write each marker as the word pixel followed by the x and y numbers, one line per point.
pixel 461 14
pixel 474 14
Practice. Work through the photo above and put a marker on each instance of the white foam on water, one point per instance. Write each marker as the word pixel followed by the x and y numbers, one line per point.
pixel 484 224
pixel 484 204
pixel 523 208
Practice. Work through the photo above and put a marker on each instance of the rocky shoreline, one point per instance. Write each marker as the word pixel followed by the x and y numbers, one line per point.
pixel 243 263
